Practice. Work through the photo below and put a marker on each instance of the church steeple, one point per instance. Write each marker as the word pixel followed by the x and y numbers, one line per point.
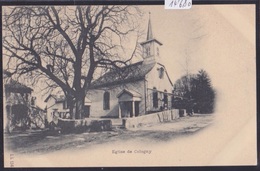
pixel 151 46
pixel 149 30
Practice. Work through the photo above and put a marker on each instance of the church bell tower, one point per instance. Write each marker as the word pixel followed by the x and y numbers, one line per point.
pixel 151 47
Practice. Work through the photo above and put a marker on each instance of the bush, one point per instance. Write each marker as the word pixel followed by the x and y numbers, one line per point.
pixel 181 112
pixel 84 125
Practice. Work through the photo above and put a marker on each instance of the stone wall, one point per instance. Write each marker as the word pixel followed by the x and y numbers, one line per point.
pixel 150 119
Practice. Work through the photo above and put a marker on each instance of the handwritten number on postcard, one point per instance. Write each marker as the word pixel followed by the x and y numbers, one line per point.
pixel 178 4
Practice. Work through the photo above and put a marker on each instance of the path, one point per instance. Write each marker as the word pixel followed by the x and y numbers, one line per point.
pixel 40 142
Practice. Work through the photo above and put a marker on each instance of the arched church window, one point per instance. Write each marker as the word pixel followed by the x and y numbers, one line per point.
pixel 155 98
pixel 158 51
pixel 161 73
pixel 106 101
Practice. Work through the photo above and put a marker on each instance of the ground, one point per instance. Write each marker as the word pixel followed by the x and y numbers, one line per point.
pixel 40 142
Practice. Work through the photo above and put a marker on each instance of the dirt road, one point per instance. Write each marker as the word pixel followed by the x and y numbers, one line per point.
pixel 40 142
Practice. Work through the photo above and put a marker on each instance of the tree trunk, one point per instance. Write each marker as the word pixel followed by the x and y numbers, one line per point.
pixel 71 105
pixel 79 107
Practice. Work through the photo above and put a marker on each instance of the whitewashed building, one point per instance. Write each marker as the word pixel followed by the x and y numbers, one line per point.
pixel 57 105
pixel 137 89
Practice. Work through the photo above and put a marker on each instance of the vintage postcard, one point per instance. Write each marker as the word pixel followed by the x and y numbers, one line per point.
pixel 129 85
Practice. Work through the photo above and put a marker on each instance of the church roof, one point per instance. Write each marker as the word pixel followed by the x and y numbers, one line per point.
pixel 129 73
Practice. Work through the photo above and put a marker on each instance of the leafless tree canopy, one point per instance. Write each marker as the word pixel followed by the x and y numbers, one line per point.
pixel 63 46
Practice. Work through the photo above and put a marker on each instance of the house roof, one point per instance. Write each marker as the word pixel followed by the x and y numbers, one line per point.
pixel 57 98
pixel 12 85
pixel 130 73
pixel 15 86
pixel 38 108
pixel 131 92
pixel 6 73
pixel 63 98
pixel 87 100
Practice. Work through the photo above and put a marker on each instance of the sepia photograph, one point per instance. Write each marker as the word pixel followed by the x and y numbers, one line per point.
pixel 129 85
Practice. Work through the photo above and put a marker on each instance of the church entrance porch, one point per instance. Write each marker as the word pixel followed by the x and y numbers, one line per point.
pixel 128 109
pixel 128 103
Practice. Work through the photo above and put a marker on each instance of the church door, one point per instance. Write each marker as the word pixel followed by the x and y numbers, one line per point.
pixel 137 108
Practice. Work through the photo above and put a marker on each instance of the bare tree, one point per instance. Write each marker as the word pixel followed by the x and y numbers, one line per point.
pixel 64 46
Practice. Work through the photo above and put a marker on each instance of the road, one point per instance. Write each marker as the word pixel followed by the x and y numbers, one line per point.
pixel 42 142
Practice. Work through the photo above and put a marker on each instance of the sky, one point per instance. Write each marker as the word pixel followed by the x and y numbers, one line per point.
pixel 221 40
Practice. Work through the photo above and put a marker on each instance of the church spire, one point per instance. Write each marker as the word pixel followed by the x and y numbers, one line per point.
pixel 151 46
pixel 149 31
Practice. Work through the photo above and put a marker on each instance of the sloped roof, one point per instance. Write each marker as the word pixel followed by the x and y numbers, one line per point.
pixel 131 92
pixel 63 98
pixel 166 73
pixel 6 73
pixel 57 98
pixel 12 85
pixel 87 100
pixel 15 86
pixel 38 108
pixel 130 73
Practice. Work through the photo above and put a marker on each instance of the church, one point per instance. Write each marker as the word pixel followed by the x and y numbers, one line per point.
pixel 138 89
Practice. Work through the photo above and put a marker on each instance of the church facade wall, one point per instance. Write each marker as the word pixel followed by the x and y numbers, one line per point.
pixel 97 99
pixel 145 88
pixel 159 84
